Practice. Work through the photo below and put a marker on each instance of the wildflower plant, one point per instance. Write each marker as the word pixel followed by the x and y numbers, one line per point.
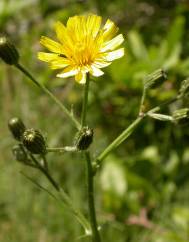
pixel 82 50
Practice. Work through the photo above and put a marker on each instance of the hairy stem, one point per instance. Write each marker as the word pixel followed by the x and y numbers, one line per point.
pixel 142 108
pixel 85 102
pixel 46 173
pixel 89 172
pixel 62 149
pixel 91 205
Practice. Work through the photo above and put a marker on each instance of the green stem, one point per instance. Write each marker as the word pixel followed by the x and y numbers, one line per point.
pixel 127 132
pixel 91 205
pixel 78 215
pixel 62 149
pixel 45 163
pixel 122 137
pixel 45 172
pixel 63 108
pixel 89 169
pixel 141 109
pixel 52 181
pixel 85 102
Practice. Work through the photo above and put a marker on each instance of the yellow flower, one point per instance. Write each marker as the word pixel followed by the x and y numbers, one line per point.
pixel 84 46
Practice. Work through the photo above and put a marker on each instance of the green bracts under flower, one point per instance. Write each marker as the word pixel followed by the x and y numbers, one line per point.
pixel 34 141
pixel 17 127
pixel 155 79
pixel 184 89
pixel 8 52
pixel 181 116
pixel 83 138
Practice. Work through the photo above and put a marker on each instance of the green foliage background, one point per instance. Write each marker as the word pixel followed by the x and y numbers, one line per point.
pixel 142 189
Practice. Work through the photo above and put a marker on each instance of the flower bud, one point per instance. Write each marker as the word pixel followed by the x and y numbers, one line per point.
pixel 17 127
pixel 34 141
pixel 83 138
pixel 181 116
pixel 8 52
pixel 184 89
pixel 155 79
pixel 20 154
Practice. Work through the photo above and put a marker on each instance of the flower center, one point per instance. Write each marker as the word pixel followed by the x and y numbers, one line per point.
pixel 83 53
pixel 80 47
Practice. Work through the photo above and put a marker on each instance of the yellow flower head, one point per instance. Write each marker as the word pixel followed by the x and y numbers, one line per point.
pixel 84 46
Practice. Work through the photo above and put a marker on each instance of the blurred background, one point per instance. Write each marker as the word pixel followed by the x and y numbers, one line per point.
pixel 142 188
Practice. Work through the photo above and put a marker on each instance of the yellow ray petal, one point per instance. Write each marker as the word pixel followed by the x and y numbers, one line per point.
pixel 81 77
pixel 96 71
pixel 62 34
pixel 51 44
pixel 101 63
pixel 47 57
pixel 74 27
pixel 93 24
pixel 68 71
pixel 116 54
pixel 110 29
pixel 59 63
pixel 112 44
pixel 71 22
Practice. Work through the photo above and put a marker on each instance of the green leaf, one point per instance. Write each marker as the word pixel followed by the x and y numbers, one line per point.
pixel 175 33
pixel 137 45
pixel 173 59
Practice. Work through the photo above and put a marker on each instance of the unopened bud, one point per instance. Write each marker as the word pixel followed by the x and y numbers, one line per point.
pixel 8 52
pixel 20 154
pixel 181 116
pixel 34 141
pixel 155 79
pixel 184 89
pixel 83 138
pixel 17 127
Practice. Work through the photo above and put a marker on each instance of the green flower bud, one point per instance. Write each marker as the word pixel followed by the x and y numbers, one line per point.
pixel 155 79
pixel 17 127
pixel 181 116
pixel 20 154
pixel 184 89
pixel 34 141
pixel 83 138
pixel 8 52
